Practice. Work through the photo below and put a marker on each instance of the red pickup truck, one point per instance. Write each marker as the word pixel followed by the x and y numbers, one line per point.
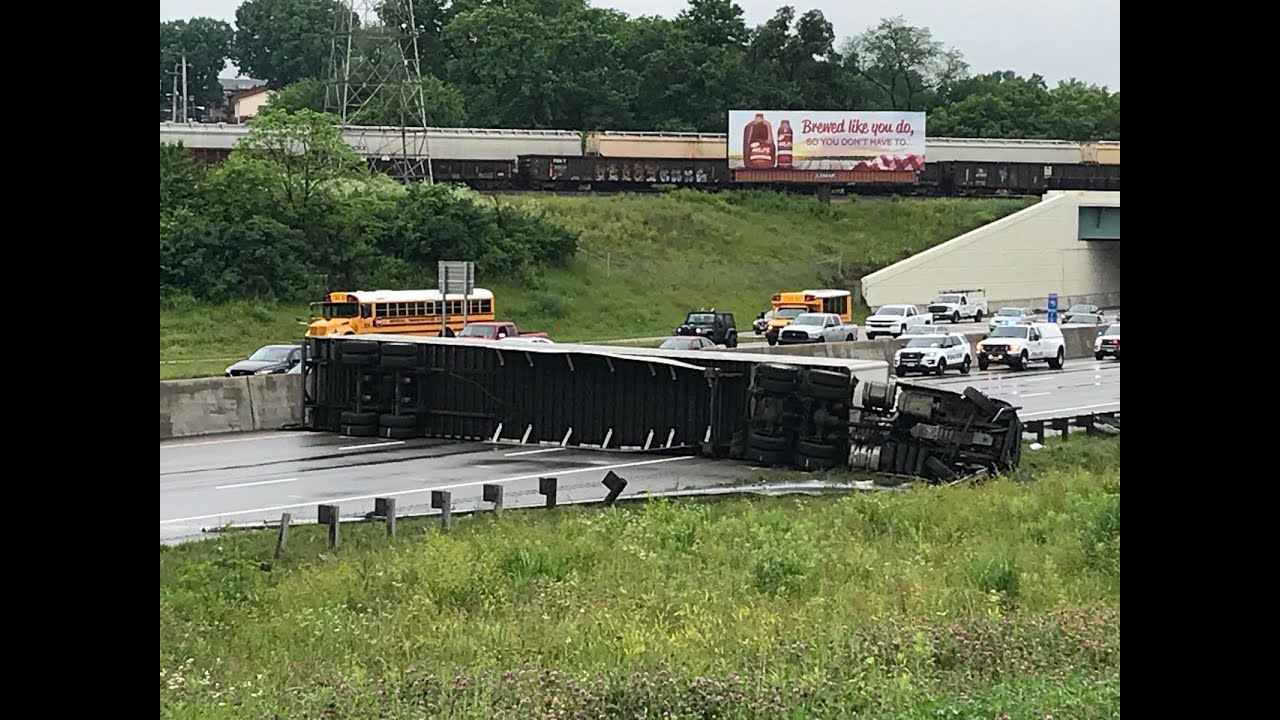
pixel 496 331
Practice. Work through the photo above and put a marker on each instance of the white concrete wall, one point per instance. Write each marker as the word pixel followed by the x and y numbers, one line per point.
pixel 1018 260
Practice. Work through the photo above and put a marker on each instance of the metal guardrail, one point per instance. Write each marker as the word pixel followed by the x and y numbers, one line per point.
pixel 497 498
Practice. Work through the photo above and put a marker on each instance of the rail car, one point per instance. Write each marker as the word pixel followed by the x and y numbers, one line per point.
pixel 561 160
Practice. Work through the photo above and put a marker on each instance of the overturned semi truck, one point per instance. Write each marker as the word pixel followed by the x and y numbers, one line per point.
pixel 810 413
pixel 816 418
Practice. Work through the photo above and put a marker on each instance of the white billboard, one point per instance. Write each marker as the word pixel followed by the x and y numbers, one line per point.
pixel 826 140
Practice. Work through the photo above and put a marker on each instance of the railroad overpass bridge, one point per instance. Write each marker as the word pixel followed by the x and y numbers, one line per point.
pixel 1068 243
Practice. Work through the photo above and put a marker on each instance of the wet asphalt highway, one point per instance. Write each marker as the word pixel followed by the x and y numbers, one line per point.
pixel 253 477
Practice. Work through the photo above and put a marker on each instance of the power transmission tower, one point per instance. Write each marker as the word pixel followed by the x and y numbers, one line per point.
pixel 375 69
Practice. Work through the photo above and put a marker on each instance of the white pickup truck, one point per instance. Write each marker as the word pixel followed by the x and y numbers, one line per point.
pixel 816 328
pixel 895 319
pixel 956 305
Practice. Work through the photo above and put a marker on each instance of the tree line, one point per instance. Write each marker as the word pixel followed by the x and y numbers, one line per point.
pixel 562 64
pixel 294 212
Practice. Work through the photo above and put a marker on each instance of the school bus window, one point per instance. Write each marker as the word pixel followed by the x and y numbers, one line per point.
pixel 366 310
pixel 329 311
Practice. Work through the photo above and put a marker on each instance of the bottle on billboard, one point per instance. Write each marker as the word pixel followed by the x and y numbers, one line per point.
pixel 757 143
pixel 784 144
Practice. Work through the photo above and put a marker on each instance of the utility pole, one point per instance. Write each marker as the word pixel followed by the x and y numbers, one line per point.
pixel 186 117
pixel 173 97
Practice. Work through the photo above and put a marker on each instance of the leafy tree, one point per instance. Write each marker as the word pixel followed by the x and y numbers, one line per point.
pixel 207 45
pixel 903 63
pixel 792 61
pixel 283 41
pixel 304 150
pixel 397 105
pixel 180 177
pixel 304 94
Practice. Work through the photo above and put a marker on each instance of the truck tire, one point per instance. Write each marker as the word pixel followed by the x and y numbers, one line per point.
pixel 977 317
pixel 731 341
pixel 982 363
pixel 387 420
pixel 397 433
pixel 1021 362
pixel 1057 362
pixel 778 371
pixel 822 451
pixel 358 418
pixel 968 362
pixel 770 443
pixel 955 317
pixel 825 392
pixel 848 338
pixel 1098 356
pixel 830 378
pixel 942 367
pixel 360 430
pixel 777 387
pixel 399 361
pixel 767 457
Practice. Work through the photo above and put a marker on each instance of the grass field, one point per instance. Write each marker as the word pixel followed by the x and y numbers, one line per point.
pixel 999 601
pixel 644 262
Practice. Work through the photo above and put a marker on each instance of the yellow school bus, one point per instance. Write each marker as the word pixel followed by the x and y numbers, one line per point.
pixel 406 312
pixel 787 305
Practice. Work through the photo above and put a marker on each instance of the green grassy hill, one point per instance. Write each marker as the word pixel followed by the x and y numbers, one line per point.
pixel 644 261
pixel 996 601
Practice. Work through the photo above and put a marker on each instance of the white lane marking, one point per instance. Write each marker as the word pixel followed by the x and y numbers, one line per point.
pixel 1073 409
pixel 354 498
pixel 533 452
pixel 198 443
pixel 251 484
pixel 1027 395
pixel 370 446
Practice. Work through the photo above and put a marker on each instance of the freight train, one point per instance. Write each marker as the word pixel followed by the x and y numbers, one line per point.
pixel 565 160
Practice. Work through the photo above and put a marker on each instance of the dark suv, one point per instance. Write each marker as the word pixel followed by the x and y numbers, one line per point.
pixel 718 327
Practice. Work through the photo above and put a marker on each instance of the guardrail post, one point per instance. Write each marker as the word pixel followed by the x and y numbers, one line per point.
pixel 385 508
pixel 615 483
pixel 1037 427
pixel 443 500
pixel 547 487
pixel 1063 426
pixel 284 534
pixel 493 494
pixel 329 516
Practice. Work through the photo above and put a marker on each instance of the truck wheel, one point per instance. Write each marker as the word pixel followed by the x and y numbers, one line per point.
pixel 902 331
pixel 871 336
pixel 983 364
pixel 1098 356
pixel 1022 361
pixel 821 339
pixel 848 338
pixel 978 317
pixel 900 372
pixel 771 339
pixel 1057 362
pixel 732 341
pixel 942 367
pixel 968 362
pixel 955 317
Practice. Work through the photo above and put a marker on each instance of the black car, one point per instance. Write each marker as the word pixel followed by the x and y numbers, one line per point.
pixel 718 327
pixel 268 360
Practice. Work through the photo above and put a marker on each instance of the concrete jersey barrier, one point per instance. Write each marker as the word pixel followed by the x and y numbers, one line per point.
pixel 1077 340
pixel 206 406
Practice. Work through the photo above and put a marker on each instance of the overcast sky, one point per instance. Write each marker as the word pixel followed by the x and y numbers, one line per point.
pixel 1059 39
